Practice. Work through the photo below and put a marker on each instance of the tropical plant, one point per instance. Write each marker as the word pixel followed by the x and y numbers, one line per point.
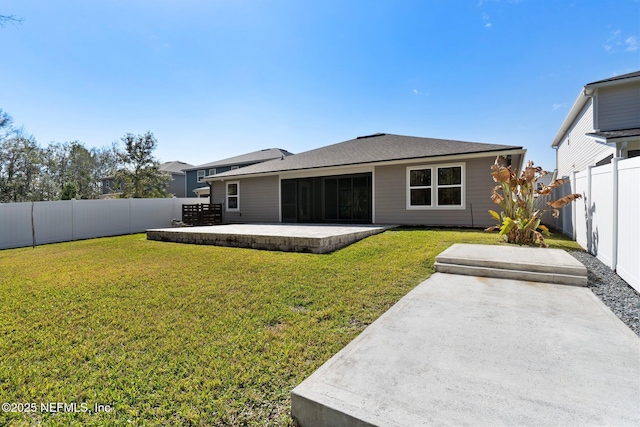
pixel 522 202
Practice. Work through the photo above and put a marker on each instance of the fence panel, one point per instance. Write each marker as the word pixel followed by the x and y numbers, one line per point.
pixel 53 221
pixel 66 220
pixel 99 218
pixel 563 223
pixel 15 225
pixel 628 265
pixel 600 239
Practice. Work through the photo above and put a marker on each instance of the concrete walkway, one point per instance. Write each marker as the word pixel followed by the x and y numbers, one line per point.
pixel 466 350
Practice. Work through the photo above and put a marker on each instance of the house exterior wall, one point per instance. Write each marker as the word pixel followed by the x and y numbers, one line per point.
pixel 577 151
pixel 192 177
pixel 390 196
pixel 191 183
pixel 618 107
pixel 176 185
pixel 259 199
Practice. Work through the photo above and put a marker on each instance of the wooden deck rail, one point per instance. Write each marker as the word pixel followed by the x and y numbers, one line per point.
pixel 202 214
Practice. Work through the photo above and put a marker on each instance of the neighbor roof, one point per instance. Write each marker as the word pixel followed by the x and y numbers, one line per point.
pixel 256 156
pixel 369 149
pixel 613 79
pixel 615 134
pixel 176 167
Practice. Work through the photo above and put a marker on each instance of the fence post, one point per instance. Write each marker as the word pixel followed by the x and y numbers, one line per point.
pixel 73 219
pixel 589 212
pixel 130 204
pixel 573 184
pixel 614 218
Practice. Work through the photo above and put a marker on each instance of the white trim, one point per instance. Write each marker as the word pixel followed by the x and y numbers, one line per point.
pixel 373 196
pixel 237 183
pixel 434 186
pixel 201 177
pixel 280 198
pixel 596 119
pixel 214 171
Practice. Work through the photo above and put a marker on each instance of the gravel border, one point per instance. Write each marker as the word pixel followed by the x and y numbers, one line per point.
pixel 615 293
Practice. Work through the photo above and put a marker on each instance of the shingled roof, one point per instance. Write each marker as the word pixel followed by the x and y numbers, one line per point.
pixel 253 157
pixel 367 149
pixel 612 79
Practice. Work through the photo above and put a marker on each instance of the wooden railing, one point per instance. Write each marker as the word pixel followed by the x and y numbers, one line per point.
pixel 202 214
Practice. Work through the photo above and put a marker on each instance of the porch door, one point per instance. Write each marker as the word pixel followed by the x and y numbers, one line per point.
pixel 305 197
pixel 347 198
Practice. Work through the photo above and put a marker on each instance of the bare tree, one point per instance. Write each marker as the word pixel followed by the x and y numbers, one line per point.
pixel 9 19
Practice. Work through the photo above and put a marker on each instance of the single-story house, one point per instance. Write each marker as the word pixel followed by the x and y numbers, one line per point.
pixel 176 184
pixel 604 122
pixel 380 179
pixel 196 186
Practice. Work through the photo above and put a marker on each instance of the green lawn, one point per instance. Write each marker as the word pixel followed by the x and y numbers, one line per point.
pixel 171 334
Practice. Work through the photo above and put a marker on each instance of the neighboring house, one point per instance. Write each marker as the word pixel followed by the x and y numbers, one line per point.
pixel 178 177
pixel 381 178
pixel 176 185
pixel 603 123
pixel 196 186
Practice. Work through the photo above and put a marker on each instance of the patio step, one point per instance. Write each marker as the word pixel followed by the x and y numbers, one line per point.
pixel 510 262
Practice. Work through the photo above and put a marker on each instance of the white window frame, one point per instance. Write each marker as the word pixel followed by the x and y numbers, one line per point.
pixel 212 171
pixel 434 187
pixel 237 183
pixel 201 174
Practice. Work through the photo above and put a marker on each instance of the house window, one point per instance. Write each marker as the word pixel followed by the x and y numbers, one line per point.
pixel 435 186
pixel 233 196
pixel 420 187
pixel 212 171
pixel 200 175
pixel 234 167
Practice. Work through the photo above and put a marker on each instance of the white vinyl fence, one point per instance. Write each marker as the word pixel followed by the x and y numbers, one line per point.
pixel 25 224
pixel 606 221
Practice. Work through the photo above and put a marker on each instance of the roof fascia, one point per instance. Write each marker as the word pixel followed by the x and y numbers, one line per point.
pixel 337 169
pixel 575 111
pixel 592 86
pixel 613 140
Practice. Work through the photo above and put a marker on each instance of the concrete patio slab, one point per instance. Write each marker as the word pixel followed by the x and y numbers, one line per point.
pixel 512 262
pixel 464 350
pixel 314 238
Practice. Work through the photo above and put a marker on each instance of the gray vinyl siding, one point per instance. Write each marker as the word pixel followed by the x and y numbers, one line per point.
pixel 578 151
pixel 258 199
pixel 619 107
pixel 390 197
pixel 177 185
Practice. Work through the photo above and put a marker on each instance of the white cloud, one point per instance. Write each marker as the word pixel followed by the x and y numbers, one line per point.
pixel 632 44
pixel 415 91
pixel 617 43
pixel 556 106
pixel 485 18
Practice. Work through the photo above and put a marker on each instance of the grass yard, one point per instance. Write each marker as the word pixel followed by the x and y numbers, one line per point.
pixel 170 334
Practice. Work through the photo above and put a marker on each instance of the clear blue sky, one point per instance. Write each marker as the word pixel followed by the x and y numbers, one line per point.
pixel 214 79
